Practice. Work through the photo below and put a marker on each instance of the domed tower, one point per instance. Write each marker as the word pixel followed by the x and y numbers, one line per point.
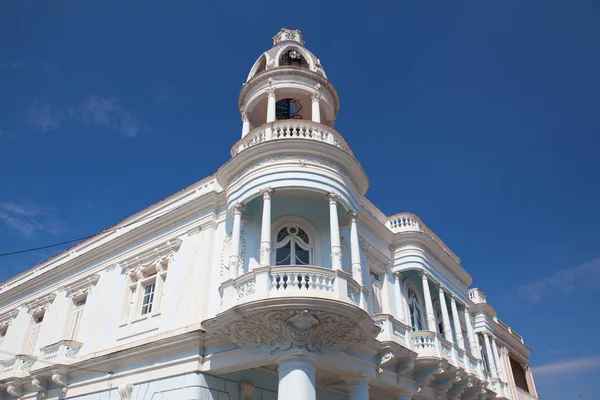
pixel 289 146
pixel 287 82
pixel 293 190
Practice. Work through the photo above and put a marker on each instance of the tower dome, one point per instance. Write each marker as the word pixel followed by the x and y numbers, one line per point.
pixel 287 82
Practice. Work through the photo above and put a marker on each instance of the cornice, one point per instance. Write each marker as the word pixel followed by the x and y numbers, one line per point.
pixel 109 251
pixel 259 79
pixel 155 254
pixel 40 304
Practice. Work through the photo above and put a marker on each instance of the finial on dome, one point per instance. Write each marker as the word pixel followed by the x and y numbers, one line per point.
pixel 289 35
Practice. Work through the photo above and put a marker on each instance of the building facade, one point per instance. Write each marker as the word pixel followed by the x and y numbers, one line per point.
pixel 275 278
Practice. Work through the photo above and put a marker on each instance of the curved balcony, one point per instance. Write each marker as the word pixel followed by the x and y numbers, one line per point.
pixel 290 281
pixel 291 129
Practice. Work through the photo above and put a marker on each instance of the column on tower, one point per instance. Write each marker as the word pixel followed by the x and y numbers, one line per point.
pixel 296 379
pixel 445 316
pixel 245 124
pixel 271 103
pixel 428 302
pixel 234 257
pixel 265 233
pixel 334 226
pixel 316 111
pixel 457 328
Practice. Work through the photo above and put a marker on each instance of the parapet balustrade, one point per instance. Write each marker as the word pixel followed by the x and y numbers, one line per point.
pixel 392 330
pixel 290 281
pixel 291 129
pixel 408 222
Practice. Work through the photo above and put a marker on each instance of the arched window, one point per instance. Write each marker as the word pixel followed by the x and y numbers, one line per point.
pixel 292 246
pixel 439 320
pixel 292 58
pixel 414 308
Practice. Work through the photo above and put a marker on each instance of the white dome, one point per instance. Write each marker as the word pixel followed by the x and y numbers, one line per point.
pixel 288 51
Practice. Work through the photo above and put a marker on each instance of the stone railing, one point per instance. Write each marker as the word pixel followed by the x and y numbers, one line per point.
pixel 19 366
pixel 290 281
pixel 409 222
pixel 62 352
pixel 477 296
pixel 392 330
pixel 523 395
pixel 291 129
pixel 425 343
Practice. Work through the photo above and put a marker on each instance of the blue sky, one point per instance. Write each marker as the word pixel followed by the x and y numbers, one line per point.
pixel 481 117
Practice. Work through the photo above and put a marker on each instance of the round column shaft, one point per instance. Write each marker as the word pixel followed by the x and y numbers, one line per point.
pixel 359 390
pixel 445 316
pixel 316 111
pixel 428 303
pixel 334 226
pixel 296 380
pixel 457 328
pixel 265 233
pixel 271 100
pixel 234 258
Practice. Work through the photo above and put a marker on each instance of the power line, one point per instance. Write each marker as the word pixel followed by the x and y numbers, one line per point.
pixel 91 236
pixel 45 247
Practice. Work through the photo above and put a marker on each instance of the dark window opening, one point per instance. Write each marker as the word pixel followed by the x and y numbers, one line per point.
pixel 288 109
pixel 519 375
pixel 292 58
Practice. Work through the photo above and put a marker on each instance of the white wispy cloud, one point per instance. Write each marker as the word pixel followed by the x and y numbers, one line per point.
pixel 43 117
pixel 28 218
pixel 568 367
pixel 110 114
pixel 566 280
pixel 4 134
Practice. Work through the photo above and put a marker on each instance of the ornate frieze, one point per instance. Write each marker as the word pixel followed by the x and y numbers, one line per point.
pixel 317 331
pixel 82 287
pixel 41 304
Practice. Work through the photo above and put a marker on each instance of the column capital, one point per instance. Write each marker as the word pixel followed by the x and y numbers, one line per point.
pixel 452 297
pixel 424 274
pixel 333 198
pixel 271 92
pixel 245 117
pixel 315 97
pixel 441 288
pixel 353 215
pixel 237 208
pixel 266 192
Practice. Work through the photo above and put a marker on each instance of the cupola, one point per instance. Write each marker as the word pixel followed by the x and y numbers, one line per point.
pixel 287 82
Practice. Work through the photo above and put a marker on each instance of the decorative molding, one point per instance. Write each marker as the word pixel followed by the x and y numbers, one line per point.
pixel 8 317
pixel 82 286
pixel 125 391
pixel 317 331
pixel 40 385
pixel 386 359
pixel 14 389
pixel 41 304
pixel 158 258
pixel 246 390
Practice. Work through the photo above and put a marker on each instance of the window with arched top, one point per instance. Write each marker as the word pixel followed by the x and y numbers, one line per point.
pixel 439 319
pixel 292 58
pixel 293 246
pixel 414 307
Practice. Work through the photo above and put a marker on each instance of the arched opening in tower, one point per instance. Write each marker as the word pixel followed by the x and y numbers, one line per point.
pixel 288 109
pixel 292 58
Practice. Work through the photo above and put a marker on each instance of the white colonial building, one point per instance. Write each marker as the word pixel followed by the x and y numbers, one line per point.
pixel 275 278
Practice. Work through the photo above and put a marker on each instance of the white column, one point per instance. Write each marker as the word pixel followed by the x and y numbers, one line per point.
pixel 445 316
pixel 359 390
pixel 334 226
pixel 296 379
pixel 498 363
pixel 457 327
pixel 428 303
pixel 271 100
pixel 265 232
pixel 245 124
pixel 490 355
pixel 234 257
pixel 399 299
pixel 355 250
pixel 473 342
pixel 316 111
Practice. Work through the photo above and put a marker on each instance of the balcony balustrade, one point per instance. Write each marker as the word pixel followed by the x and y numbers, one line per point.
pixel 17 367
pixel 392 330
pixel 290 281
pixel 291 129
pixel 62 352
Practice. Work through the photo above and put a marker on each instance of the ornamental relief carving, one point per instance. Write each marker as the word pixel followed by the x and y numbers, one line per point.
pixel 226 252
pixel 317 331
